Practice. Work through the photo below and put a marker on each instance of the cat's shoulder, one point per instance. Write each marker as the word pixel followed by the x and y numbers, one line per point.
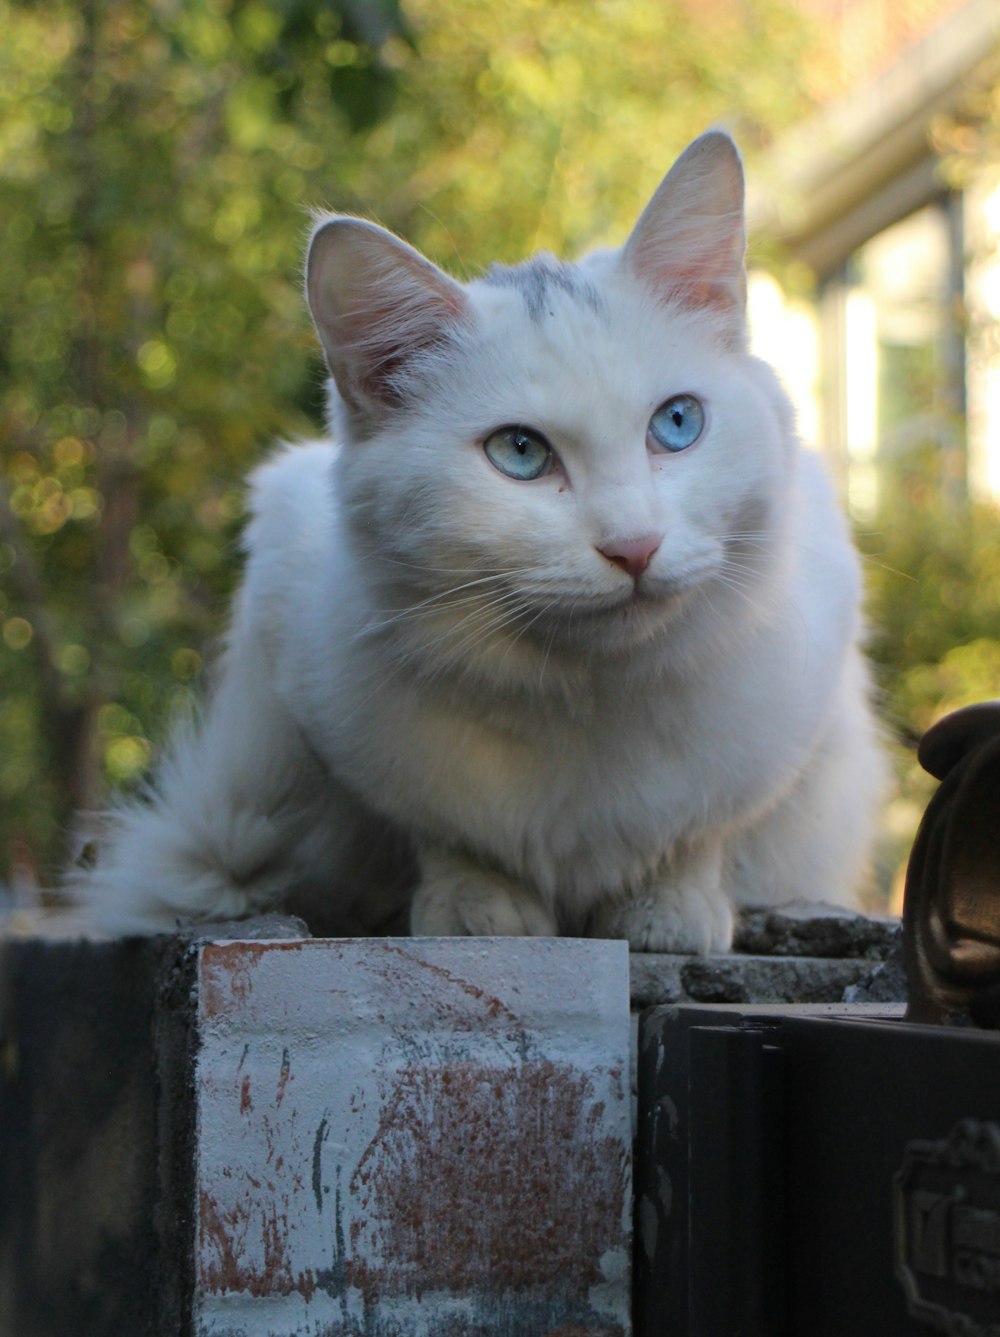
pixel 291 496
pixel 818 491
pixel 291 474
pixel 829 568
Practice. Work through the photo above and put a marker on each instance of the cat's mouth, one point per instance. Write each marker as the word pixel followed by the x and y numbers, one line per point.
pixel 649 593
pixel 647 603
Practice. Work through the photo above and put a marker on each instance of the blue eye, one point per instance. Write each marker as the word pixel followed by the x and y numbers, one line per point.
pixel 677 424
pixel 518 452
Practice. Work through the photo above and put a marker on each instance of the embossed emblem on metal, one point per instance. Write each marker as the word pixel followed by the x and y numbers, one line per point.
pixel 947 1230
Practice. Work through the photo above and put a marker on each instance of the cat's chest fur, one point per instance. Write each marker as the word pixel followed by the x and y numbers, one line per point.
pixel 589 771
pixel 584 789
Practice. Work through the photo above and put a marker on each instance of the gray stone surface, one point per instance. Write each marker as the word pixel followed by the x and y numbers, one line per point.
pixel 886 983
pixel 657 978
pixel 810 928
pixel 803 952
pixel 762 979
pixel 262 928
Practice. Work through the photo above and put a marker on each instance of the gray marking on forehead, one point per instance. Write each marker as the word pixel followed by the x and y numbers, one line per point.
pixel 537 278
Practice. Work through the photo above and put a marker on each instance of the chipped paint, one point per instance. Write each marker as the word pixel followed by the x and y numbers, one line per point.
pixel 413 1137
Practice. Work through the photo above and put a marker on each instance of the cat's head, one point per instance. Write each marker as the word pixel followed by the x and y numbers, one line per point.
pixel 558 453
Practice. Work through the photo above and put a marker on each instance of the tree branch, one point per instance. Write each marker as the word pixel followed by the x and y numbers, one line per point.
pixel 26 580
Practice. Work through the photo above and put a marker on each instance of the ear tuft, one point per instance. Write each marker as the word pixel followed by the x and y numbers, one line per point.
pixel 377 305
pixel 689 243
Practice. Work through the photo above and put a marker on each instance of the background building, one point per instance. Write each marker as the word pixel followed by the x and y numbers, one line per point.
pixel 884 311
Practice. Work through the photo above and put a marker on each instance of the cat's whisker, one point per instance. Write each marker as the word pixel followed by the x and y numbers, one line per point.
pixel 510 600
pixel 766 595
pixel 392 668
pixel 408 564
pixel 545 659
pixel 505 613
pixel 745 581
pixel 443 599
pixel 763 540
pixel 723 620
pixel 418 650
pixel 545 608
pixel 868 560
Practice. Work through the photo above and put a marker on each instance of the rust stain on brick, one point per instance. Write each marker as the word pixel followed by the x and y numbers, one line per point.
pixel 283 1076
pixel 576 1331
pixel 224 1239
pixel 432 995
pixel 223 1233
pixel 227 971
pixel 483 1179
pixel 495 1009
pixel 495 1172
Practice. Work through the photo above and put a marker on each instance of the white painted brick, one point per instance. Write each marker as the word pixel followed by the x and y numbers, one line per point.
pixel 413 1138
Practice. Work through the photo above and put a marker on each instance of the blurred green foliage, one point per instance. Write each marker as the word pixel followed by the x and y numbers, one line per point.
pixel 154 164
pixel 933 579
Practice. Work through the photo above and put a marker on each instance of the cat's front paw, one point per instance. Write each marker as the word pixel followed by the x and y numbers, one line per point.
pixel 667 919
pixel 456 899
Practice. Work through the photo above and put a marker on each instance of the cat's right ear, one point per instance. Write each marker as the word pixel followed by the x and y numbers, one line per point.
pixel 378 306
pixel 688 245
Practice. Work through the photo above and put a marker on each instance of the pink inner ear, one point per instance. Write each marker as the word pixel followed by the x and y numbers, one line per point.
pixel 696 286
pixel 693 289
pixel 377 304
pixel 688 245
pixel 384 332
pixel 699 266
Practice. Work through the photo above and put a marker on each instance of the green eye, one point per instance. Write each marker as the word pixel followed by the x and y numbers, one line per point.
pixel 518 452
pixel 677 423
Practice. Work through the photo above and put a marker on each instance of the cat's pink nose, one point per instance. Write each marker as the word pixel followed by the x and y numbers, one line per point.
pixel 632 555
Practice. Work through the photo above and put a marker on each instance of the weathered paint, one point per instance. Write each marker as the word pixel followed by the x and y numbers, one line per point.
pixel 413 1138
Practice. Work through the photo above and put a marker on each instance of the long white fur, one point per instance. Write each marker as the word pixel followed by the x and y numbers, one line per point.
pixel 440 698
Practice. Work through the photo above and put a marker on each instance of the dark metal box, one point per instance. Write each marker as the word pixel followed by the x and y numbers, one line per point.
pixel 816 1173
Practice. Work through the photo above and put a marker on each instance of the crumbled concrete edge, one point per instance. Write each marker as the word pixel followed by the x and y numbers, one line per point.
pixel 803 952
pixel 886 983
pixel 810 928
pixel 261 928
pixel 63 925
pixel 659 978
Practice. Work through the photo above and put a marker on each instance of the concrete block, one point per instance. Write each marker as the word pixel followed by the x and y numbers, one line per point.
pixel 413 1137
pixel 314 1138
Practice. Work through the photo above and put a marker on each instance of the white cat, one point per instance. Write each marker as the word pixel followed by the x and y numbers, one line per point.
pixel 560 637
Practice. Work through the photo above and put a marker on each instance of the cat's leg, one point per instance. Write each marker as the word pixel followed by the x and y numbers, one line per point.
pixel 457 897
pixel 238 812
pixel 679 908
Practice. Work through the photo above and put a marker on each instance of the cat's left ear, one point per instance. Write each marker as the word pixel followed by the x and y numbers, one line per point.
pixel 689 243
pixel 378 306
